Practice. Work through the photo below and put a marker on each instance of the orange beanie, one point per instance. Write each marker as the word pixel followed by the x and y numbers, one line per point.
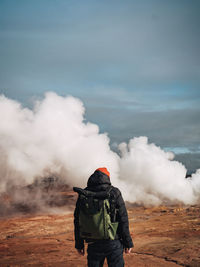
pixel 104 170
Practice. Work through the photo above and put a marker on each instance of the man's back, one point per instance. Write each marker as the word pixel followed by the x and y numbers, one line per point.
pixel 99 249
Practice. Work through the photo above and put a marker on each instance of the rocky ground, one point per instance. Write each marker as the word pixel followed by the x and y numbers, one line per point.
pixel 163 236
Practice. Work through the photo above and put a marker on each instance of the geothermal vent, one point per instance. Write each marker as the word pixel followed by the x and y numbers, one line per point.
pixel 42 195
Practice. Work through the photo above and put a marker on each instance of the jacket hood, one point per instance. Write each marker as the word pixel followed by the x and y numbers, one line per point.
pixel 98 180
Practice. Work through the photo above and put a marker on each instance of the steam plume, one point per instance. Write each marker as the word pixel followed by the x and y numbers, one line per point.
pixel 53 138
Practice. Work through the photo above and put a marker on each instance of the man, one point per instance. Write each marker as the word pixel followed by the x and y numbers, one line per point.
pixel 98 250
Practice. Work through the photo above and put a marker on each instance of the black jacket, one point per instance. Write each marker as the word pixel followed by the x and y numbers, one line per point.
pixel 97 182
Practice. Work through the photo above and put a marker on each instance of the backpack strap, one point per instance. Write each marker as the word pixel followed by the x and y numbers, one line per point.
pixel 112 201
pixel 108 191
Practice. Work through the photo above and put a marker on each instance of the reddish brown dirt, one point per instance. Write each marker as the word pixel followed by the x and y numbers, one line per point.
pixel 163 236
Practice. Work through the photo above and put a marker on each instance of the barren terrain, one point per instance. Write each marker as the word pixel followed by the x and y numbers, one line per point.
pixel 163 236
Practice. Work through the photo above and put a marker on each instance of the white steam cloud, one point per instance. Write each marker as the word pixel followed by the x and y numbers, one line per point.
pixel 53 138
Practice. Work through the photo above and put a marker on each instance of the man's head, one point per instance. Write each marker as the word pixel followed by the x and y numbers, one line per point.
pixel 101 176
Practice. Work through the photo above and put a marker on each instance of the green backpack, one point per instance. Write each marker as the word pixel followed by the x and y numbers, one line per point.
pixel 97 215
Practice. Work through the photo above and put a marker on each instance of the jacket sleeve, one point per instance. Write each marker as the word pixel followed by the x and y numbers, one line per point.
pixel 79 242
pixel 122 218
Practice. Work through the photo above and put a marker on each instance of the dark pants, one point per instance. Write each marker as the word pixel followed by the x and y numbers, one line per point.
pixel 110 249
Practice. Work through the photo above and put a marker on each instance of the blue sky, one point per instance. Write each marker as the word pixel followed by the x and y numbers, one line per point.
pixel 134 64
